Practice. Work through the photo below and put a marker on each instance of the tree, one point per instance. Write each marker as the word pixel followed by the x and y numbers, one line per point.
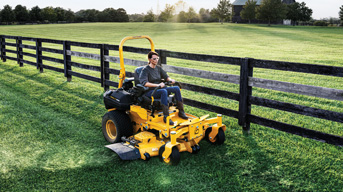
pixel 149 17
pixel 223 11
pixel 35 14
pixel 69 16
pixel 122 15
pixel 60 14
pixel 271 10
pixel 293 12
pixel 136 17
pixel 21 13
pixel 167 13
pixel 204 15
pixel 249 10
pixel 48 14
pixel 88 15
pixel 7 14
pixel 341 13
pixel 298 12
pixel 305 12
pixel 191 15
pixel 182 17
pixel 108 15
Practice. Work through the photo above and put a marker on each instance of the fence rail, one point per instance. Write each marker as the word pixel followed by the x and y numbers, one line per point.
pixel 14 45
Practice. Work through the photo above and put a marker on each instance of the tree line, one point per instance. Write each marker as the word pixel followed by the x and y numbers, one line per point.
pixel 269 11
pixel 273 10
pixel 50 14
pixel 20 14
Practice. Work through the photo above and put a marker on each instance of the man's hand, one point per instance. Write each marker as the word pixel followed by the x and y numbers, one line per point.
pixel 161 85
pixel 171 80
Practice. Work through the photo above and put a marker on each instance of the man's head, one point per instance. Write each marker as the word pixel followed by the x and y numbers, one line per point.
pixel 153 57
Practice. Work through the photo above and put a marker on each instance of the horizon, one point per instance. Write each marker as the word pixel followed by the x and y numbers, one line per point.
pixel 321 10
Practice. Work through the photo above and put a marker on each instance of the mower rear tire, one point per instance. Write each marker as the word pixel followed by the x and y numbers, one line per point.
pixel 174 157
pixel 116 124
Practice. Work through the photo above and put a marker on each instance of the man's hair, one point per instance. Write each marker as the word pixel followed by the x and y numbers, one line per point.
pixel 151 53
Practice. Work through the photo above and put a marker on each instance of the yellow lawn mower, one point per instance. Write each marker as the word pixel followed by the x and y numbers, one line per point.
pixel 135 127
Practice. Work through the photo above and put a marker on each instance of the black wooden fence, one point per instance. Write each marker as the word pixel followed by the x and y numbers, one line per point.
pixel 245 80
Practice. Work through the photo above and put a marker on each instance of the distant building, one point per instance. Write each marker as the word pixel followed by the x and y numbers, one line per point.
pixel 237 7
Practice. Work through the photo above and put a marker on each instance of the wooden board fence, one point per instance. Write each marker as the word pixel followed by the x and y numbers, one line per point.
pixel 15 45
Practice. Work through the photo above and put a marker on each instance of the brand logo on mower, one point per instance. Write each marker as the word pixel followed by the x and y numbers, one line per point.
pixel 196 131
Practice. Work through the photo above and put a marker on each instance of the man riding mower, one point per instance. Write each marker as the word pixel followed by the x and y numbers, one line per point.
pixel 145 120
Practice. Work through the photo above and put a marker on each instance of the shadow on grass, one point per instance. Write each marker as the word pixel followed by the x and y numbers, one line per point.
pixel 117 175
pixel 37 78
pixel 259 167
pixel 53 87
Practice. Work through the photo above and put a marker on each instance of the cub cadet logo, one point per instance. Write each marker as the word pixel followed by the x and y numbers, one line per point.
pixel 196 131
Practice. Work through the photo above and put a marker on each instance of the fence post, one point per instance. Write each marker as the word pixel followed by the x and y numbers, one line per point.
pixel 102 60
pixel 39 55
pixel 245 91
pixel 163 56
pixel 19 51
pixel 3 49
pixel 106 65
pixel 67 60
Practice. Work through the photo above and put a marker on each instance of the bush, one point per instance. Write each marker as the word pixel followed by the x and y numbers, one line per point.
pixel 320 23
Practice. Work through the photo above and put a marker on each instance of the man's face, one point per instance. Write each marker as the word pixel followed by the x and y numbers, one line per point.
pixel 154 59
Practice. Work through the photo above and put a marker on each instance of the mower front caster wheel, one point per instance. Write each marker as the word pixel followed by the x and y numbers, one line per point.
pixel 219 139
pixel 174 157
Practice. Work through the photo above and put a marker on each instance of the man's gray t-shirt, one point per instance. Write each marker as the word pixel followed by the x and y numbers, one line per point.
pixel 152 75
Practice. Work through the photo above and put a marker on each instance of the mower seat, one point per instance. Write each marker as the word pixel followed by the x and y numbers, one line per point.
pixel 136 74
pixel 128 81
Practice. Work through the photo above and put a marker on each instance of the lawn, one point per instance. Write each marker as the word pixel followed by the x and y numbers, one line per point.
pixel 50 129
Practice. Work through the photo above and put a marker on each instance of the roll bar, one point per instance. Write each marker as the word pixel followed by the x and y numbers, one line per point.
pixel 121 55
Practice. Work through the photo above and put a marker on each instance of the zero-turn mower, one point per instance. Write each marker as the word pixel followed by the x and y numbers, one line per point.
pixel 135 127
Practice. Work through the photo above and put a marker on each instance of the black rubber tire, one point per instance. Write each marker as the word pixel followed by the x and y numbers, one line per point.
pixel 194 150
pixel 116 124
pixel 219 139
pixel 147 156
pixel 174 156
pixel 198 148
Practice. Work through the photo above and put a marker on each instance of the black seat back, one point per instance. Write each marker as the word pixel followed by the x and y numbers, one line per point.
pixel 138 71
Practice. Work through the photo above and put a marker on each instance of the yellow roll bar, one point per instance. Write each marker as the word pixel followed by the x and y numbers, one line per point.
pixel 121 55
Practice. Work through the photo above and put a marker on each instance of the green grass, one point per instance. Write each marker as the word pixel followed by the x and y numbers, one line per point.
pixel 50 129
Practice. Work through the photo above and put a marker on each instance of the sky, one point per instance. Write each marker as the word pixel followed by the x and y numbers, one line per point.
pixel 321 8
